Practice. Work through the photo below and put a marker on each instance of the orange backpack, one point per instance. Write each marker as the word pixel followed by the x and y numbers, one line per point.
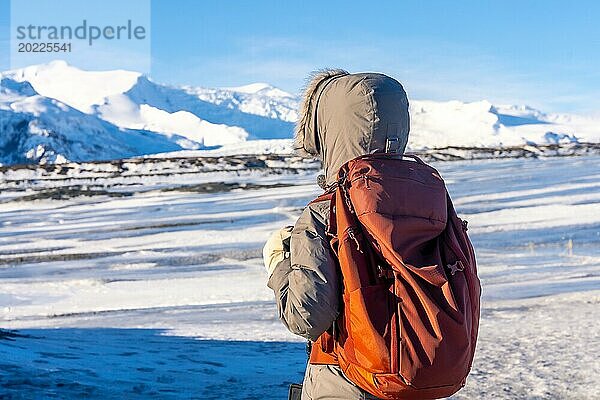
pixel 410 288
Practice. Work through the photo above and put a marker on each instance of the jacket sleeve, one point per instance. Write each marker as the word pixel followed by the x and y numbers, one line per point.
pixel 306 284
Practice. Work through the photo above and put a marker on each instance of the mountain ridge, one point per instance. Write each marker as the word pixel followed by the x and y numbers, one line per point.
pixel 55 112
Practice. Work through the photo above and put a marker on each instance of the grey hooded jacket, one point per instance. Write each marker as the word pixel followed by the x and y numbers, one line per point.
pixel 342 116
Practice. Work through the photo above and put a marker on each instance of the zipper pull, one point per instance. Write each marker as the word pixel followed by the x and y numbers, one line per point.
pixel 348 202
pixel 353 237
pixel 366 179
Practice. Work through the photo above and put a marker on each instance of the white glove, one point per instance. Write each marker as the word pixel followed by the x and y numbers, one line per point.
pixel 274 251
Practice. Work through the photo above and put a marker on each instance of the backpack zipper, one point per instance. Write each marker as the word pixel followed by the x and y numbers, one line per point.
pixel 468 271
pixel 396 330
pixel 394 348
pixel 352 236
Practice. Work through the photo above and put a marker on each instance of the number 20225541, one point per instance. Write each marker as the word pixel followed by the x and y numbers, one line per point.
pixel 35 47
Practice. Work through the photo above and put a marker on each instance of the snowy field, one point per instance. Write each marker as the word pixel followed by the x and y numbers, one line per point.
pixel 157 290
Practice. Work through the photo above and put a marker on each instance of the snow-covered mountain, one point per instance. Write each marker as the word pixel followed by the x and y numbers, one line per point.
pixel 56 112
pixel 131 100
pixel 482 124
pixel 87 115
pixel 39 129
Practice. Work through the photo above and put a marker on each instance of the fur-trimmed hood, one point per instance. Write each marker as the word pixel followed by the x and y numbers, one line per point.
pixel 343 116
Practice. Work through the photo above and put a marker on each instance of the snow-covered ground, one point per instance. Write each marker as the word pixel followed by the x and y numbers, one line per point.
pixel 157 290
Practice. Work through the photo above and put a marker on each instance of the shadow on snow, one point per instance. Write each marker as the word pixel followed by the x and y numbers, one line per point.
pixel 143 363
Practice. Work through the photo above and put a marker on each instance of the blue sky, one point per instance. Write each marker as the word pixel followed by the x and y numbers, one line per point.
pixel 542 53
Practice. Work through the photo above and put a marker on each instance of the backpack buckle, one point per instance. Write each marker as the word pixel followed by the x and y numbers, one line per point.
pixel 465 225
pixel 457 266
pixel 385 272
pixel 392 144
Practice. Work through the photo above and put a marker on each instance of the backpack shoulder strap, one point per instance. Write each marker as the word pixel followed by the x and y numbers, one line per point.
pixel 327 196
pixel 330 225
